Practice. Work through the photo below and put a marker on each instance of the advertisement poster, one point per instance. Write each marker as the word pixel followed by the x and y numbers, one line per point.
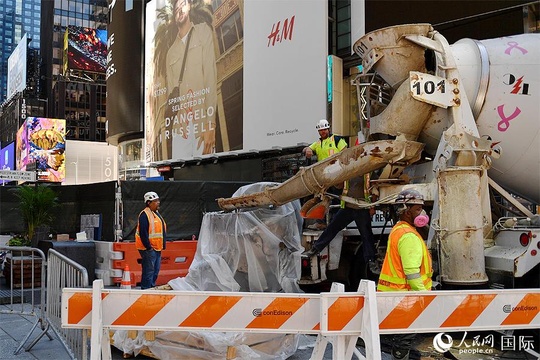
pixel 180 80
pixel 125 79
pixel 285 52
pixel 42 141
pixel 243 83
pixel 16 80
pixel 7 158
pixel 87 49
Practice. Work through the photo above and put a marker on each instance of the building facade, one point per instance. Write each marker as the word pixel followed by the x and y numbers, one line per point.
pixel 19 17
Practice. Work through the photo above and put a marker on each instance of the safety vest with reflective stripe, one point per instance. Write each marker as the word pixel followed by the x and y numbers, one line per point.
pixel 328 147
pixel 393 277
pixel 155 231
pixel 357 188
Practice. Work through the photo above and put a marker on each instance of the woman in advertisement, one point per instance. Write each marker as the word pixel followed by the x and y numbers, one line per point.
pixel 183 91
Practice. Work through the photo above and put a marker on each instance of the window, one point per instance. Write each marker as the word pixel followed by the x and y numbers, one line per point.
pixel 230 32
pixel 343 27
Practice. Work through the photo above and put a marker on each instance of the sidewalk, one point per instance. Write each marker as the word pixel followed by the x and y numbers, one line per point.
pixel 14 328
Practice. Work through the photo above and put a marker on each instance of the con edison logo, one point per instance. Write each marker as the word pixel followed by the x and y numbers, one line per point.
pixel 261 312
pixel 508 308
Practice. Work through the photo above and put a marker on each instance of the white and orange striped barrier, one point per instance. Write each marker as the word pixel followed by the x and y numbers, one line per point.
pixel 337 315
pixel 436 311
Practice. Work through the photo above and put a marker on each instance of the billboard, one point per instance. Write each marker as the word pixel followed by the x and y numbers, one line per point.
pixel 16 80
pixel 284 95
pixel 180 80
pixel 42 141
pixel 221 95
pixel 90 162
pixel 7 158
pixel 125 79
pixel 86 49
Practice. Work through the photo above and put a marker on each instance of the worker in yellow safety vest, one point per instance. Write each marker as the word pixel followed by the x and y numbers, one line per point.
pixel 407 263
pixel 328 143
pixel 150 239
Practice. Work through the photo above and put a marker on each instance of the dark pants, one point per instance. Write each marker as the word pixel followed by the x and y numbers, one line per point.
pixel 340 221
pixel 151 263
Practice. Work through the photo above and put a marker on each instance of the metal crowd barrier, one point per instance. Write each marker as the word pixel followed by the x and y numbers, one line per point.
pixel 24 272
pixel 64 272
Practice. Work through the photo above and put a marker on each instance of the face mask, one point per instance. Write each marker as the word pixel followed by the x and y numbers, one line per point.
pixel 421 220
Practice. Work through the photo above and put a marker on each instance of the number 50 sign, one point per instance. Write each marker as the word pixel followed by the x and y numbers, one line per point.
pixel 433 89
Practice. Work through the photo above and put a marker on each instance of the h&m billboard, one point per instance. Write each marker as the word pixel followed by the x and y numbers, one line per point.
pixel 42 141
pixel 243 82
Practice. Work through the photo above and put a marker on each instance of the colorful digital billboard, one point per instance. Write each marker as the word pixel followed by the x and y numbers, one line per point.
pixel 7 158
pixel 87 49
pixel 42 141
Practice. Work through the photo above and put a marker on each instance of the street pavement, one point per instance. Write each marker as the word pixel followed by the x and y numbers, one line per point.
pixel 15 327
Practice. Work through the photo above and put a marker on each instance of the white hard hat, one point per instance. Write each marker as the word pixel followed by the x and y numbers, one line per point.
pixel 410 196
pixel 150 196
pixel 322 124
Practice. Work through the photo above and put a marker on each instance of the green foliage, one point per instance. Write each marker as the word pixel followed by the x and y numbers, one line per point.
pixel 19 240
pixel 36 205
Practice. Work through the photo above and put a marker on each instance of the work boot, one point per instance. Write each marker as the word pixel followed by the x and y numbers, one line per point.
pixel 317 226
pixel 311 252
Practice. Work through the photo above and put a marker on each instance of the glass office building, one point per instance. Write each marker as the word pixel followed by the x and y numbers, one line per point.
pixel 18 17
pixel 74 92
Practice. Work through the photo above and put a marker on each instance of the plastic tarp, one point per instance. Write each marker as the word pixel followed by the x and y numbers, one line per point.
pixel 249 251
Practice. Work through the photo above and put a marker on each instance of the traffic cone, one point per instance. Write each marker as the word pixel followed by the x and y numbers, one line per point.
pixel 126 279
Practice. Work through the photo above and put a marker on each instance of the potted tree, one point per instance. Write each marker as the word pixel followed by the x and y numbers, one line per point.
pixel 36 205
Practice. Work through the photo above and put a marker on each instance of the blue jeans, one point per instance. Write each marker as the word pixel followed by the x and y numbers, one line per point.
pixel 151 263
pixel 340 221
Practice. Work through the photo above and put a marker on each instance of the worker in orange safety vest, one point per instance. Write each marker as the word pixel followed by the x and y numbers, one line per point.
pixel 407 263
pixel 150 239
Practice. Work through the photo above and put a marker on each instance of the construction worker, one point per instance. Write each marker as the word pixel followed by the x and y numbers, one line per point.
pixel 407 263
pixel 150 239
pixel 327 145
pixel 344 216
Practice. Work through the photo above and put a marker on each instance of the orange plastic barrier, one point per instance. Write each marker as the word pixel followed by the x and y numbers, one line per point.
pixel 175 261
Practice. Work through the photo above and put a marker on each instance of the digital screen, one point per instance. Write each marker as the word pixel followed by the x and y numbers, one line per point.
pixel 42 140
pixel 7 158
pixel 87 49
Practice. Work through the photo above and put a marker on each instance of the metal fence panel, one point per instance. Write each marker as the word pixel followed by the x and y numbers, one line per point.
pixel 64 272
pixel 24 272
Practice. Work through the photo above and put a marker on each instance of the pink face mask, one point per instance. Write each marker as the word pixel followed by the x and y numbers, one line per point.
pixel 421 220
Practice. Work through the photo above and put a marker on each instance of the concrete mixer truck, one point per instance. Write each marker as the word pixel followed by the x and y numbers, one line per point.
pixel 453 122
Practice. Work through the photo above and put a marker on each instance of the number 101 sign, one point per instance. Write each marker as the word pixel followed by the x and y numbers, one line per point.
pixel 433 90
